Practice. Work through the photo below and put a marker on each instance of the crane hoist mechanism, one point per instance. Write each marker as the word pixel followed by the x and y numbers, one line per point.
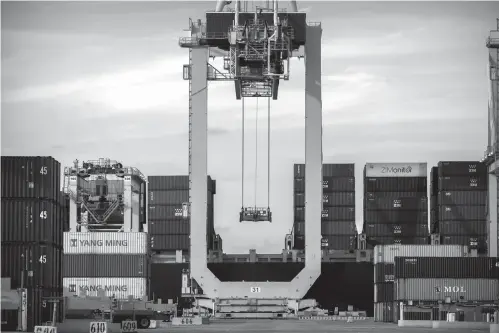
pixel 256 45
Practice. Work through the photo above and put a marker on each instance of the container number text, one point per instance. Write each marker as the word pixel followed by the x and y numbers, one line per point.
pixel 255 289
pixel 43 214
pixel 98 327
pixel 43 170
pixel 43 259
pixel 129 326
pixel 45 329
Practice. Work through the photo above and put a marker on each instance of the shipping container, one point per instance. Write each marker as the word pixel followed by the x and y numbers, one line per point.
pixel 404 230
pixel 171 273
pixel 299 242
pixel 463 228
pixel 459 290
pixel 120 287
pixel 329 214
pixel 395 216
pixel 170 242
pixel 385 312
pixel 434 180
pixel 373 241
pixel 396 170
pixel 329 184
pixel 106 242
pixel 163 183
pixel 410 204
pixel 462 213
pixel 384 292
pixel 30 177
pixel 408 184
pixel 330 228
pixel 36 265
pixel 106 265
pixel 450 267
pixel 472 183
pixel 10 320
pixel 256 272
pixel 387 253
pixel 384 273
pixel 454 198
pixel 336 199
pixel 31 220
pixel 174 212
pixel 343 284
pixel 339 242
pixel 475 242
pixel 175 227
pixel 172 197
pixel 461 168
pixel 328 170
pixel 38 308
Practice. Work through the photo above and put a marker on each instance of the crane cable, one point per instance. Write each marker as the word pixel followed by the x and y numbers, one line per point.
pixel 242 160
pixel 256 148
pixel 268 154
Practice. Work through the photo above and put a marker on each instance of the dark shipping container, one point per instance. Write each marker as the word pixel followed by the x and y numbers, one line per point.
pixel 339 242
pixel 173 197
pixel 165 183
pixel 41 265
pixel 175 227
pixel 170 242
pixel 375 240
pixel 472 198
pixel 384 292
pixel 461 168
pixel 463 228
pixel 475 242
pixel 385 312
pixel 330 228
pixel 405 230
pixel 299 242
pixel 337 199
pixel 9 320
pixel 384 273
pixel 328 170
pixel 398 184
pixel 450 267
pixel 411 204
pixel 106 265
pixel 32 220
pixel 462 183
pixel 257 272
pixel 462 213
pixel 329 214
pixel 395 216
pixel 329 184
pixel 30 177
pixel 38 308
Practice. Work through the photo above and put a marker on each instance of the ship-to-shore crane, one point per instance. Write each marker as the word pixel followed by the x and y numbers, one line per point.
pixel 256 47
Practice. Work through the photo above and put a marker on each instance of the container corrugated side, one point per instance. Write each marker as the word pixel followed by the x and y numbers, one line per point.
pixel 31 220
pixel 330 228
pixel 395 216
pixel 397 204
pixel 170 272
pixel 41 265
pixel 385 312
pixel 384 273
pixel 163 212
pixel 463 228
pixel 396 170
pixel 473 198
pixel 335 199
pixel 451 267
pixel 339 242
pixel 463 183
pixel 373 241
pixel 438 289
pixel 30 177
pixel 329 214
pixel 329 184
pixel 328 170
pixel 384 292
pixel 172 197
pixel 463 213
pixel 461 168
pixel 170 242
pixel 407 184
pixel 38 314
pixel 174 183
pixel 393 229
pixel 9 320
pixel 106 242
pixel 475 241
pixel 120 287
pixel 387 253
pixel 106 265
pixel 175 227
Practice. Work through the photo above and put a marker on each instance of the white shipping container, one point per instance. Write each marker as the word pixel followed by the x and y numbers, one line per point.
pixel 387 253
pixel 119 287
pixel 438 289
pixel 106 242
pixel 377 170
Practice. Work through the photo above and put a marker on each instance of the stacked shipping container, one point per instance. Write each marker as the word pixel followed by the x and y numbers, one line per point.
pixel 32 223
pixel 338 216
pixel 384 270
pixel 459 206
pixel 113 263
pixel 395 203
pixel 167 227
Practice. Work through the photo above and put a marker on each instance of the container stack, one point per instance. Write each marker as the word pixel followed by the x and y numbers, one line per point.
pixel 168 229
pixel 434 200
pixel 433 280
pixel 460 212
pixel 32 223
pixel 385 308
pixel 338 227
pixel 110 264
pixel 395 203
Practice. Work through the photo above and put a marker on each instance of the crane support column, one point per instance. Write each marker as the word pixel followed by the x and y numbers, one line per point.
pixel 492 212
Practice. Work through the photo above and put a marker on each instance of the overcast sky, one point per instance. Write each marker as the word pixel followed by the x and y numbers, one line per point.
pixel 402 82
